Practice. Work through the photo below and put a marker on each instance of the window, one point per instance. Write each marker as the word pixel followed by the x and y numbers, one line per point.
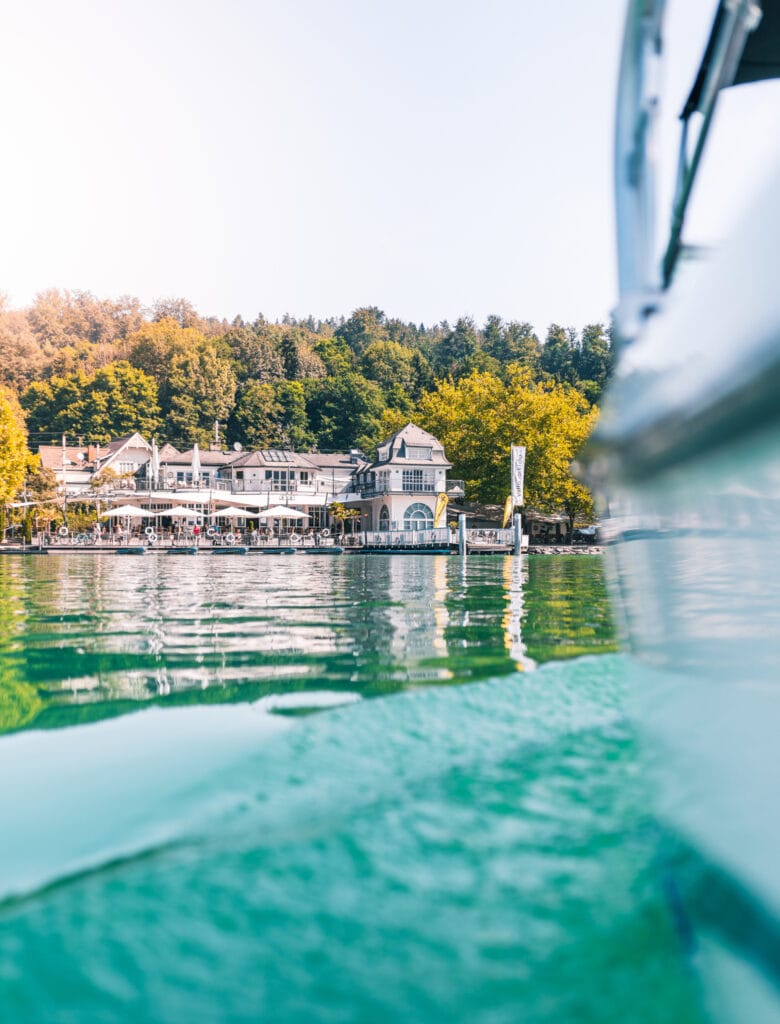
pixel 303 476
pixel 418 517
pixel 384 518
pixel 421 453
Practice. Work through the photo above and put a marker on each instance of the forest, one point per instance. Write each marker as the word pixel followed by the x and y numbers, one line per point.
pixel 95 368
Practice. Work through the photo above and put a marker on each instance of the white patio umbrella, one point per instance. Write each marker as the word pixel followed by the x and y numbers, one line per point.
pixel 232 511
pixel 128 512
pixel 180 512
pixel 154 464
pixel 282 512
pixel 195 464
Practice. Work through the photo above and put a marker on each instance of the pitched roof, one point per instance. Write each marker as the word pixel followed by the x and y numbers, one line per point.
pixel 75 457
pixel 115 444
pixel 331 460
pixel 207 458
pixel 391 451
pixel 273 458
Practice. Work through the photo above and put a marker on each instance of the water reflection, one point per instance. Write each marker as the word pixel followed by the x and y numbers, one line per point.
pixel 84 636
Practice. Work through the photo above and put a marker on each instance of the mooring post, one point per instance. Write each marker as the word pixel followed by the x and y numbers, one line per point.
pixel 462 544
pixel 518 524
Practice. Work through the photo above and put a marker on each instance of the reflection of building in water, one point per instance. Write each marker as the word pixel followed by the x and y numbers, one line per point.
pixel 515 579
pixel 143 628
pixel 417 616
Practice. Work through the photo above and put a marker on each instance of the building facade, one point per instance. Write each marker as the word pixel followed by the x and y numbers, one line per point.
pixel 400 490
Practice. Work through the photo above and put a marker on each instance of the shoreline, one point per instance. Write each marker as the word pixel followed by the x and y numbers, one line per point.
pixel 565 549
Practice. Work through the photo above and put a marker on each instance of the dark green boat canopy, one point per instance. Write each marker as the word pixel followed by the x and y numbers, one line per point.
pixel 760 57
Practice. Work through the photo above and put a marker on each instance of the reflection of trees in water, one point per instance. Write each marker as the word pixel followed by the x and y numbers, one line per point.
pixel 567 610
pixel 19 699
pixel 478 605
pixel 99 636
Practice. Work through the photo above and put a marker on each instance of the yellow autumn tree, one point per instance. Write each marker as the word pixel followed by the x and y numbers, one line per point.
pixel 13 452
pixel 13 447
pixel 478 418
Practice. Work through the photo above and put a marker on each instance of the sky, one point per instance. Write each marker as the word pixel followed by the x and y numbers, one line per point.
pixel 435 159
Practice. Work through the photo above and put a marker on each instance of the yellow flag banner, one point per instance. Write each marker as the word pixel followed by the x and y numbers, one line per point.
pixel 509 508
pixel 441 508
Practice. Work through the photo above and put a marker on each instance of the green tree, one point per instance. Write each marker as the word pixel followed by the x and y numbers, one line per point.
pixel 255 418
pixel 115 401
pixel 395 370
pixel 301 362
pixel 343 515
pixel 336 356
pixel 255 355
pixel 593 360
pixel 481 416
pixel 456 348
pixel 521 345
pixel 557 358
pixel 365 326
pixel 201 388
pixel 112 402
pixel 346 410
pixel 156 346
pixel 294 419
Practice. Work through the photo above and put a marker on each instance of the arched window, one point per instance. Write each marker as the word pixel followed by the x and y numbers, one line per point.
pixel 418 517
pixel 384 518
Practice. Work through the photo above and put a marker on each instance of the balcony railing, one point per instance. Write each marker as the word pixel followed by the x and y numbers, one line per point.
pixel 374 490
pixel 439 537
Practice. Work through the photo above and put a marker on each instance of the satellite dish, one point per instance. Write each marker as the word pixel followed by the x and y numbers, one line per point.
pixel 81 456
pixel 238 447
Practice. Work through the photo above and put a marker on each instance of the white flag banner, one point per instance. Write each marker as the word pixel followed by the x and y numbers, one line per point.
pixel 518 474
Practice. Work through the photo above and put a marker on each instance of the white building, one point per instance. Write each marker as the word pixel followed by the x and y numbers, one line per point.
pixel 76 466
pixel 399 491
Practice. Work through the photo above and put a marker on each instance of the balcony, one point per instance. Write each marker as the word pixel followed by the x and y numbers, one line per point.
pixel 377 490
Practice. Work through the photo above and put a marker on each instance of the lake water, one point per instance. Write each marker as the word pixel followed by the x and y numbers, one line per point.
pixel 345 789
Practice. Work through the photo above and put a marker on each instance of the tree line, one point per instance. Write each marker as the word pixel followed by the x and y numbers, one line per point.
pixel 96 369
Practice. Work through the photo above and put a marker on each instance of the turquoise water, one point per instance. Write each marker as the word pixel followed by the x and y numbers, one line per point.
pixel 475 845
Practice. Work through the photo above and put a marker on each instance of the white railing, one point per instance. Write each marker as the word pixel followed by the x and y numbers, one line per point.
pixel 490 537
pixel 404 538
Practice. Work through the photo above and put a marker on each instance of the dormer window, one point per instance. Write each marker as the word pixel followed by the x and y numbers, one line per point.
pixel 419 452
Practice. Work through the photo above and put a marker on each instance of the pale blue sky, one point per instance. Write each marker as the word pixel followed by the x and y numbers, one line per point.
pixel 432 158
